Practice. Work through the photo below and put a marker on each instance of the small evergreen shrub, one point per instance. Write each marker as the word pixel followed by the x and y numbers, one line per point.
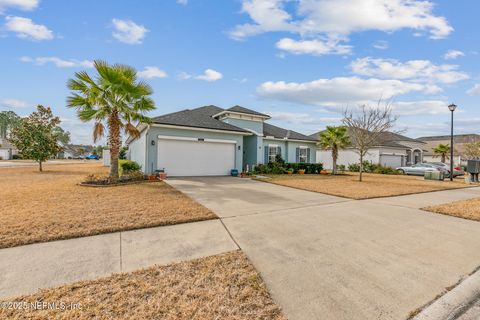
pixel 128 166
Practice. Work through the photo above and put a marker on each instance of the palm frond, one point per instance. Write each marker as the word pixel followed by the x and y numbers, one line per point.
pixel 98 131
pixel 131 130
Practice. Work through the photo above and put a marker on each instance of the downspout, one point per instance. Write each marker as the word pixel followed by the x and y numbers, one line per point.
pixel 146 147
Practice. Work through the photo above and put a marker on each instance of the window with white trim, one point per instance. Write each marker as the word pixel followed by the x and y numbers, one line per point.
pixel 303 154
pixel 272 153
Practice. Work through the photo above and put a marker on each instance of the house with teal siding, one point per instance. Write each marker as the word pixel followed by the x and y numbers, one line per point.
pixel 211 141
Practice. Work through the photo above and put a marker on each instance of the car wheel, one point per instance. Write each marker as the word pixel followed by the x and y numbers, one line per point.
pixel 447 174
pixel 400 171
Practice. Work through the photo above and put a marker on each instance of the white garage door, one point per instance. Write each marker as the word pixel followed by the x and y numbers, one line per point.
pixel 196 158
pixel 5 154
pixel 393 161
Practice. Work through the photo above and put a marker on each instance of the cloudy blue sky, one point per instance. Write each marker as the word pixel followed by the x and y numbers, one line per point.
pixel 301 61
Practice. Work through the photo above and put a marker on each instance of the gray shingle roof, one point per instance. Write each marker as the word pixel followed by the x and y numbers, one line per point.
pixel 203 118
pixel 387 139
pixel 277 132
pixel 247 111
pixel 459 138
pixel 198 118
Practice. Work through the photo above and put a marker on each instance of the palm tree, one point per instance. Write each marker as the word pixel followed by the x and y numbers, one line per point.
pixel 442 150
pixel 114 99
pixel 335 139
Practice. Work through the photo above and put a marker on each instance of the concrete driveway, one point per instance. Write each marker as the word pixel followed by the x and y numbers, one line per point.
pixel 324 257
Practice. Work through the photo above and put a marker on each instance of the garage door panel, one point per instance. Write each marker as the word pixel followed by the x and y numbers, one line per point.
pixel 195 158
pixel 392 161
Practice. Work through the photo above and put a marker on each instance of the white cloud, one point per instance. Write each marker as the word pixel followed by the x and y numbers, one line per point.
pixel 58 62
pixel 13 103
pixel 417 70
pixel 347 16
pixel 184 76
pixel 26 29
pixel 127 31
pixel 182 2
pixel 453 54
pixel 302 118
pixel 210 75
pixel 381 45
pixel 240 80
pixel 421 107
pixel 26 5
pixel 152 72
pixel 339 92
pixel 475 90
pixel 442 127
pixel 268 15
pixel 314 47
pixel 337 19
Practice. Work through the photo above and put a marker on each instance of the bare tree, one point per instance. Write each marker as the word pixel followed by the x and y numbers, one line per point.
pixel 472 150
pixel 366 125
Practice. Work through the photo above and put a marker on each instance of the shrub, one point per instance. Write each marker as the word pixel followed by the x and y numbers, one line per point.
pixel 371 168
pixel 341 168
pixel 17 157
pixel 279 159
pixel 269 168
pixel 128 166
pixel 122 155
pixel 309 168
pixel 367 167
pixel 384 170
pixel 281 168
pixel 354 167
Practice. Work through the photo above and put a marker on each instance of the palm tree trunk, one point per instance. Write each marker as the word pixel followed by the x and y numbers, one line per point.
pixel 443 157
pixel 40 168
pixel 114 140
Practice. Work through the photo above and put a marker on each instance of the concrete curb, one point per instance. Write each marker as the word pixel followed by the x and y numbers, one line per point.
pixel 455 302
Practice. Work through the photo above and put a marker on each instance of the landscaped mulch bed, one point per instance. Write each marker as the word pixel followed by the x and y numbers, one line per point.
pixel 225 286
pixel 467 209
pixel 372 186
pixel 51 205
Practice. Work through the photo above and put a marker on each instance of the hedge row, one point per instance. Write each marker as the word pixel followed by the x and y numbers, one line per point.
pixel 281 168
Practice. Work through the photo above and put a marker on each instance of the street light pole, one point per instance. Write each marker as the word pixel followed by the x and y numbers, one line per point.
pixel 452 108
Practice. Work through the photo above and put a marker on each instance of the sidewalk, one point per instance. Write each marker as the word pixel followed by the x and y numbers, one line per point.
pixel 25 269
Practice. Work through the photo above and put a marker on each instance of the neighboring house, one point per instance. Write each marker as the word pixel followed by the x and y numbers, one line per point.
pixel 459 141
pixel 72 151
pixel 211 141
pixel 392 150
pixel 7 150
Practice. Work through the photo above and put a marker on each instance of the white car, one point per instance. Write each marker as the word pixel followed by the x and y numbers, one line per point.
pixel 457 171
pixel 419 169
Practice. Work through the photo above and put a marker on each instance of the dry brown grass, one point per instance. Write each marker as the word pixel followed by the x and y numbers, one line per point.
pixel 467 209
pixel 225 286
pixel 38 207
pixel 372 186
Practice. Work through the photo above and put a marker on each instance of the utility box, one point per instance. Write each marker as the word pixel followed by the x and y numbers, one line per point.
pixel 473 166
pixel 106 157
pixel 434 175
